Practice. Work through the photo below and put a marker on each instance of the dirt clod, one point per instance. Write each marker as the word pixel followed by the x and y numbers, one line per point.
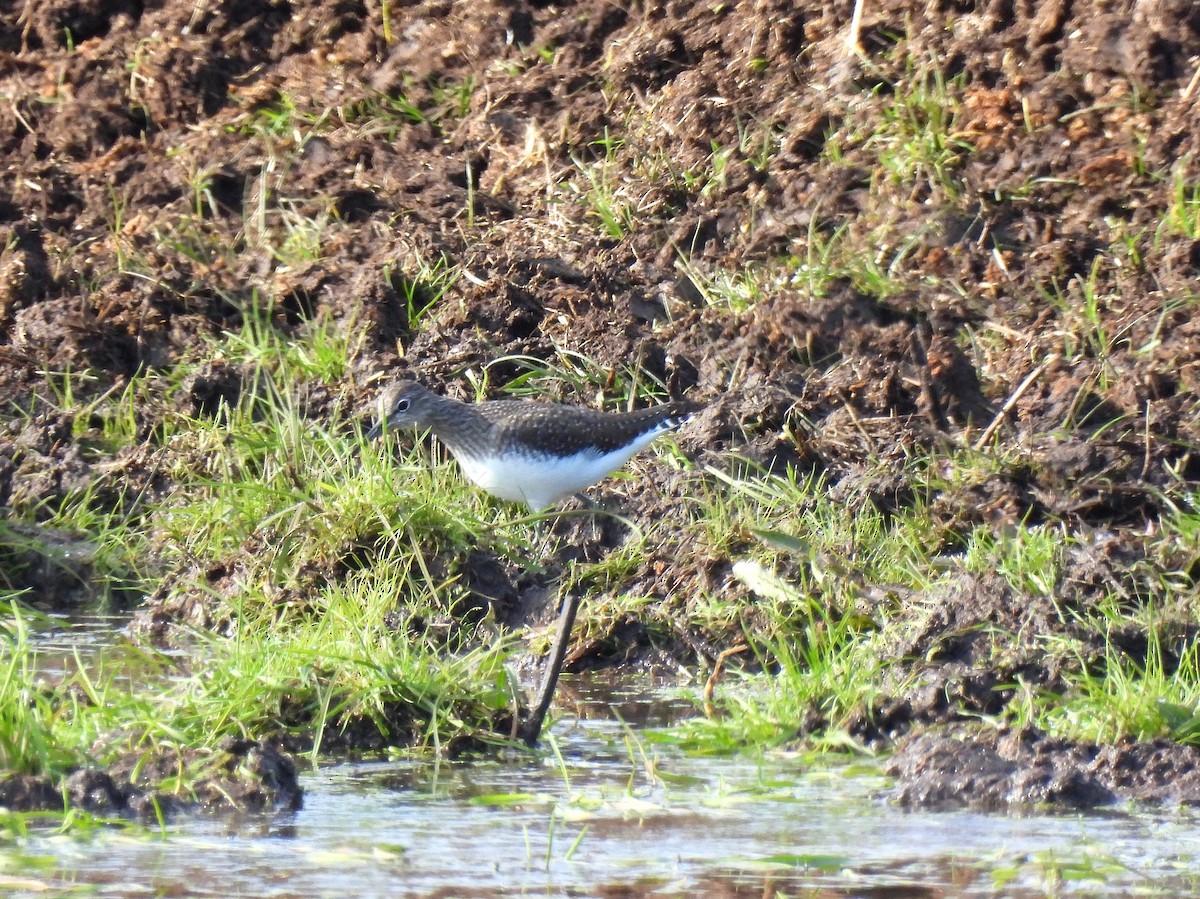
pixel 1002 769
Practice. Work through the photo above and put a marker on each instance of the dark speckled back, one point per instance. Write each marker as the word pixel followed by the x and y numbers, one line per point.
pixel 565 430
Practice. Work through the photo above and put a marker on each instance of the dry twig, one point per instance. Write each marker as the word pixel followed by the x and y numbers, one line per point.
pixel 991 429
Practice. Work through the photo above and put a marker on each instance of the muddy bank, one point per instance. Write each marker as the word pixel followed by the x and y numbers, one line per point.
pixel 239 776
pixel 1023 769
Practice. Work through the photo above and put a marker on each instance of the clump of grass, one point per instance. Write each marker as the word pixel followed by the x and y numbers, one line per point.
pixel 84 539
pixel 32 739
pixel 818 659
pixel 832 590
pixel 606 193
pixel 619 186
pixel 321 350
pixel 281 672
pixel 758 143
pixel 309 670
pixel 736 292
pixel 439 103
pixel 423 287
pixel 1030 558
pixel 1123 697
pixel 339 556
pixel 917 139
pixel 910 136
pixel 1183 214
pixel 328 553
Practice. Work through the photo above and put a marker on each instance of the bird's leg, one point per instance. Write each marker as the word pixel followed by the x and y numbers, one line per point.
pixel 532 728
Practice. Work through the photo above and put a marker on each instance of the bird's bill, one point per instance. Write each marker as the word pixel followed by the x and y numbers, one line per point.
pixel 385 424
pixel 382 425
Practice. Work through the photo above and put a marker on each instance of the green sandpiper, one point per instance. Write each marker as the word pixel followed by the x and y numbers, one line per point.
pixel 527 451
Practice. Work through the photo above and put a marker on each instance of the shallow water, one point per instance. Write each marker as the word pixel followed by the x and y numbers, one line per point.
pixel 94 639
pixel 621 815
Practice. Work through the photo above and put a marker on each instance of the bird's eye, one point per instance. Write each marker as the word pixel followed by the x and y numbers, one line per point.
pixel 402 406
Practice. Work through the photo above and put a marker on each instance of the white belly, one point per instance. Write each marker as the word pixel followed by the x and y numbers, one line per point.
pixel 541 481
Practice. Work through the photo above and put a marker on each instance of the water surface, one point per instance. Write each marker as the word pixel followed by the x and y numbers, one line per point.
pixel 608 811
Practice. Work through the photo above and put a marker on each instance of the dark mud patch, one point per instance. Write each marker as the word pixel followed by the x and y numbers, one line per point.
pixel 239 776
pixel 962 767
pixel 979 642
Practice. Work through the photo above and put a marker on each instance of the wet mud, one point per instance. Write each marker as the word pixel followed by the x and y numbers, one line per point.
pixel 239 776
pixel 1027 769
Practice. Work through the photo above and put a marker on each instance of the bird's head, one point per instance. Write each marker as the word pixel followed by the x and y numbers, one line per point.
pixel 403 405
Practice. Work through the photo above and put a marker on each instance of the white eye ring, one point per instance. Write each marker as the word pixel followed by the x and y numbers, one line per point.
pixel 402 406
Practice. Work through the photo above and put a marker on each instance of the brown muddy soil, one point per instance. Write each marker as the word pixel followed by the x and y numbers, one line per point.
pixel 241 776
pixel 136 140
pixel 1004 769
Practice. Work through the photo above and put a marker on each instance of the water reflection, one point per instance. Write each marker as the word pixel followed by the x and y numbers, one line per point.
pixel 64 640
pixel 638 703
